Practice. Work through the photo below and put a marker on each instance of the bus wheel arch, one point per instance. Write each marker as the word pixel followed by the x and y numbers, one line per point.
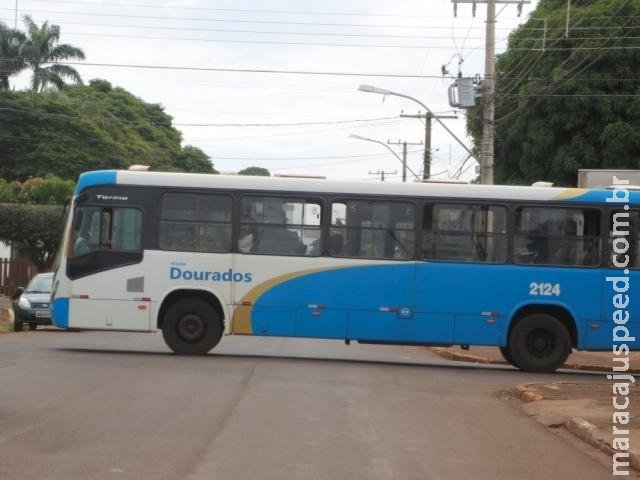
pixel 192 321
pixel 540 338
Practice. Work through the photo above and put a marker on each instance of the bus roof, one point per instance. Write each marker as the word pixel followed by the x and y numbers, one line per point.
pixel 283 184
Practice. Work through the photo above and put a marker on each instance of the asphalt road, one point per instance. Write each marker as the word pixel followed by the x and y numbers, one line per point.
pixel 91 405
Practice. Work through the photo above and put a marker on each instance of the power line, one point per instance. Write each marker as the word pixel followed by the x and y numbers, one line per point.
pixel 238 10
pixel 329 122
pixel 262 32
pixel 256 42
pixel 250 70
pixel 226 20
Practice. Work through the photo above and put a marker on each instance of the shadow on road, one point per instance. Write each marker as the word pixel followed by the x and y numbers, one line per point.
pixel 423 364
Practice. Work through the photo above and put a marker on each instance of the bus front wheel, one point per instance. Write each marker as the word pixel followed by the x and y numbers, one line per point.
pixel 191 327
pixel 539 343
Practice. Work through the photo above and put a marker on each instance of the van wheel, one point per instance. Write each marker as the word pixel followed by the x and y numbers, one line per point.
pixel 539 343
pixel 191 327
pixel 18 326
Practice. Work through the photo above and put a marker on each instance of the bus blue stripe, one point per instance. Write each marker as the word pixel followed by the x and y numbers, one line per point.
pixel 100 177
pixel 60 312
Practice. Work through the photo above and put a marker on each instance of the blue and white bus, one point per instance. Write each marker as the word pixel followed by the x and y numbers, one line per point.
pixel 535 271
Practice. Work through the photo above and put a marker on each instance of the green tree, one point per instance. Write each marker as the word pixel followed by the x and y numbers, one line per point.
pixel 567 102
pixel 256 171
pixel 192 159
pixel 50 190
pixel 7 192
pixel 10 61
pixel 41 52
pixel 34 229
pixel 88 127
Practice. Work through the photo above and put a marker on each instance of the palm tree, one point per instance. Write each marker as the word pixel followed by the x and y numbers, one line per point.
pixel 41 47
pixel 10 62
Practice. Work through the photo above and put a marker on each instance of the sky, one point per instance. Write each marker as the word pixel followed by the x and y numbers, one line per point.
pixel 274 83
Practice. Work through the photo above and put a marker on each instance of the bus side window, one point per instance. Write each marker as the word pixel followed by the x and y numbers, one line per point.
pixel 280 226
pixel 372 229
pixel 557 236
pixel 464 232
pixel 195 222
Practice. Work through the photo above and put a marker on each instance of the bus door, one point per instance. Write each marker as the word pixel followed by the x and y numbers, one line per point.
pixel 378 293
pixel 104 263
pixel 456 287
pixel 279 245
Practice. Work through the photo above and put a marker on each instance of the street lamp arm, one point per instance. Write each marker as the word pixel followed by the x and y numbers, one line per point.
pixel 382 91
pixel 359 137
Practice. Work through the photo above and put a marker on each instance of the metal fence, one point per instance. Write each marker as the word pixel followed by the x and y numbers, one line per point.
pixel 14 273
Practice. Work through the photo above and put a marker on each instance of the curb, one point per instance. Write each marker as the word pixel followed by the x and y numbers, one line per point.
pixel 584 430
pixel 464 357
pixel 6 320
pixel 467 357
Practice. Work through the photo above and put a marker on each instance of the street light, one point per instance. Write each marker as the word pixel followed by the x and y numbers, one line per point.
pixel 427 134
pixel 403 161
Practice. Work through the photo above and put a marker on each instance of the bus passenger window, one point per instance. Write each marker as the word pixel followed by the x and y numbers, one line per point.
pixel 195 222
pixel 368 229
pixel 279 226
pixel 465 233
pixel 557 236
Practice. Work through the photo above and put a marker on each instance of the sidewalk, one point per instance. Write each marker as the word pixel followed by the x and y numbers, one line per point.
pixel 584 409
pixel 6 315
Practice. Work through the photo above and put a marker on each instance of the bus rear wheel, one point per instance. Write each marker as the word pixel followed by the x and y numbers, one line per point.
pixel 539 343
pixel 506 354
pixel 191 327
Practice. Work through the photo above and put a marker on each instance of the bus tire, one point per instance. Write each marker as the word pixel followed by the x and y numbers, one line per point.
pixel 539 343
pixel 506 354
pixel 191 327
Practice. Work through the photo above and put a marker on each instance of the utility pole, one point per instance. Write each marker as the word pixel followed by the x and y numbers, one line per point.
pixel 489 90
pixel 489 83
pixel 382 173
pixel 426 173
pixel 404 156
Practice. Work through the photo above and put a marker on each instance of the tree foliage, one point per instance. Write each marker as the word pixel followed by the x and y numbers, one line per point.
pixel 50 190
pixel 41 51
pixel 33 229
pixel 88 127
pixel 10 61
pixel 567 102
pixel 256 171
pixel 7 192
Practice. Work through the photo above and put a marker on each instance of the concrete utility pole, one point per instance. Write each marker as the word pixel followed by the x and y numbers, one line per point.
pixel 489 83
pixel 382 173
pixel 426 173
pixel 427 153
pixel 404 156
pixel 489 90
pixel 360 137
